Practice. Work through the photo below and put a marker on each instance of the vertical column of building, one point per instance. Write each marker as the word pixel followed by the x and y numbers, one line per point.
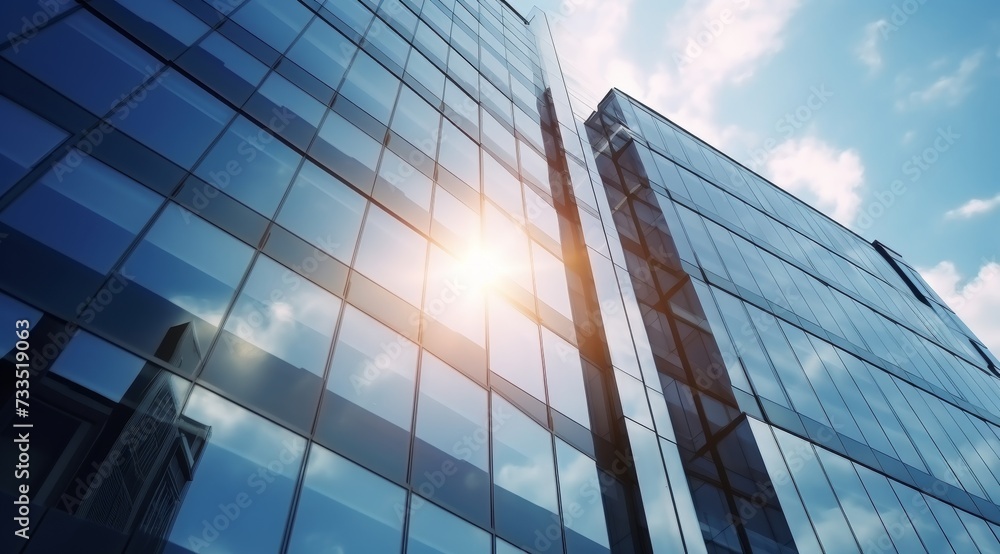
pixel 670 518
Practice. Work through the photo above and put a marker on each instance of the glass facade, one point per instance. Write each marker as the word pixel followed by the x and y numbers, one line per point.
pixel 352 276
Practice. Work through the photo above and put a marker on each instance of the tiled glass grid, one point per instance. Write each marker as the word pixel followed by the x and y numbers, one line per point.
pixel 940 433
pixel 253 83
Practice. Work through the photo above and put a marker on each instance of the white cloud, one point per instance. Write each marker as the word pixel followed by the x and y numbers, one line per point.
pixel 950 88
pixel 868 51
pixel 976 302
pixel 822 175
pixel 973 208
pixel 707 47
pixel 908 137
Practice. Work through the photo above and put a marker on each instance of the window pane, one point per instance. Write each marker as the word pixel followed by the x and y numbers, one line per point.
pixel 348 151
pixel 392 255
pixel 324 52
pixel 371 87
pixel 426 73
pixel 369 404
pixel 20 151
pixel 404 190
pixel 86 60
pixel 244 482
pixel 324 211
pixel 524 492
pixel 451 454
pixel 416 121
pixel 274 21
pixel 454 221
pixel 564 372
pixel 435 531
pixel 388 42
pixel 550 280
pixel 234 58
pixel 86 211
pixel 176 118
pixel 515 352
pixel 250 165
pixel 346 509
pixel 285 316
pixel 459 155
pixel 225 67
pixel 507 243
pixel 583 511
pixel 180 279
pixel 290 98
pixel 455 294
pixel 169 16
pixel 351 12
pixel 111 378
pixel 273 351
pixel 502 187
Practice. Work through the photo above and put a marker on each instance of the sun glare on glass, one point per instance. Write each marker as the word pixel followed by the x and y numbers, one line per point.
pixel 481 267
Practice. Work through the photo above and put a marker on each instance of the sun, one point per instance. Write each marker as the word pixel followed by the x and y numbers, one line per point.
pixel 481 268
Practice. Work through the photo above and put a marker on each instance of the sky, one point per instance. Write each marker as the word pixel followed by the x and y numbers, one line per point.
pixel 881 114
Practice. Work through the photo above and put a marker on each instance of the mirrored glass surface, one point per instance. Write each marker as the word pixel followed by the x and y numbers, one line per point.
pixel 246 475
pixel 324 211
pixel 435 531
pixel 19 152
pixel 515 350
pixel 368 407
pixel 251 165
pixel 86 211
pixel 451 452
pixel 392 255
pixel 346 509
pixel 86 60
pixel 524 488
pixel 175 117
pixel 174 288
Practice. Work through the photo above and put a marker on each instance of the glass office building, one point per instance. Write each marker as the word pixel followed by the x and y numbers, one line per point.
pixel 353 277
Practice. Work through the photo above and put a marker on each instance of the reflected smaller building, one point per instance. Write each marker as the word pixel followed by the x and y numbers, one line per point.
pixel 111 454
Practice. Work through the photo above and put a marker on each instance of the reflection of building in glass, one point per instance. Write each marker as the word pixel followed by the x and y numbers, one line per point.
pixel 114 453
pixel 352 276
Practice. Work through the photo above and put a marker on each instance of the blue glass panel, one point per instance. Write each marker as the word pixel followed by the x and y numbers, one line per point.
pixel 86 60
pixel 324 211
pixel 274 21
pixel 244 480
pixel 324 52
pixel 175 117
pixel 351 12
pixel 289 318
pixel 369 403
pixel 524 487
pixel 348 151
pixel 451 453
pixel 417 122
pixel 515 349
pixel 20 151
pixel 392 255
pixel 85 210
pixel 346 509
pixel 249 164
pixel 564 373
pixel 99 366
pixel 435 531
pixel 169 16
pixel 371 87
pixel 583 510
pixel 176 287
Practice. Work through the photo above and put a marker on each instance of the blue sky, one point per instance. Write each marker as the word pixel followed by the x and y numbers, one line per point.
pixel 882 114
